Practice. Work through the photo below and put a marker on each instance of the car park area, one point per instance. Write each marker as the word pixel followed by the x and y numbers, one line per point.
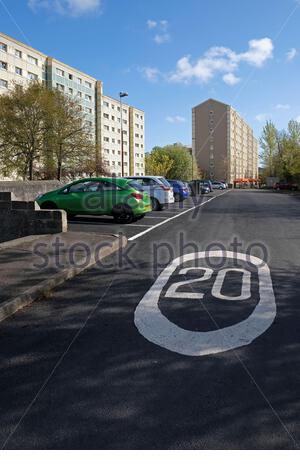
pixel 105 224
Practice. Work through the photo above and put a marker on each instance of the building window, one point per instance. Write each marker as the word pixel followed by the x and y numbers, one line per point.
pixel 88 84
pixel 106 128
pixel 88 97
pixel 113 118
pixel 3 47
pixel 79 94
pixel 60 87
pixel 106 116
pixel 18 71
pixel 32 60
pixel 60 73
pixel 105 103
pixel 136 135
pixel 112 106
pixel 70 91
pixel 3 65
pixel 32 76
pixel 79 81
pixel 113 129
pixel 125 121
pixel 88 110
pixel 70 76
pixel 3 83
pixel 18 53
pixel 106 139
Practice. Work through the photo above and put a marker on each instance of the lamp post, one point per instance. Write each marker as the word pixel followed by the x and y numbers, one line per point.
pixel 122 94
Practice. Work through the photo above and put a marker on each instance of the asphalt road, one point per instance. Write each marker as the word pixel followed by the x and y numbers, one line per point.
pixel 125 357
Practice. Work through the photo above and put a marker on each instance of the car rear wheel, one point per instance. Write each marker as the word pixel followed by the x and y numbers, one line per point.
pixel 123 214
pixel 49 205
pixel 156 206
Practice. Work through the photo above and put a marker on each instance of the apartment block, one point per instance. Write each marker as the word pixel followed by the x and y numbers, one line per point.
pixel 19 64
pixel 223 143
pixel 133 137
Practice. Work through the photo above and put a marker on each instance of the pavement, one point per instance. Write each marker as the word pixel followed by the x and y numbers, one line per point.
pixel 33 265
pixel 154 352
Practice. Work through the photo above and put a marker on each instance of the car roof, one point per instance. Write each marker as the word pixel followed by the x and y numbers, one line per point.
pixel 110 179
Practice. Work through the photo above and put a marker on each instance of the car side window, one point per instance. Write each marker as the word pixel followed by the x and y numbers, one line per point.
pixel 108 186
pixel 86 186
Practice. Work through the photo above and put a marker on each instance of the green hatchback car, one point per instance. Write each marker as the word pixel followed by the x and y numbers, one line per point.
pixel 124 199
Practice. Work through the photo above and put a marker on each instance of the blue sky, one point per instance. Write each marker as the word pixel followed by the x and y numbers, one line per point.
pixel 170 55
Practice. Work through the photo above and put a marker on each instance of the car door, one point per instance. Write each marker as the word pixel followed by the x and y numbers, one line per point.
pixel 74 199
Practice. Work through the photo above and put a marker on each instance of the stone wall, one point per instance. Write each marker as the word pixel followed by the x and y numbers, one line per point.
pixel 21 218
pixel 28 190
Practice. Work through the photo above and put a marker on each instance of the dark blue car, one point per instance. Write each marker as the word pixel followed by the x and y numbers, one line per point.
pixel 180 189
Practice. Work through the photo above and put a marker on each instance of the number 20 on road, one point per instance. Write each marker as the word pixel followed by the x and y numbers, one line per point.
pixel 155 327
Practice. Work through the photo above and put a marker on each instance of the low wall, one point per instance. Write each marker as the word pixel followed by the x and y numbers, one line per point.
pixel 21 218
pixel 28 190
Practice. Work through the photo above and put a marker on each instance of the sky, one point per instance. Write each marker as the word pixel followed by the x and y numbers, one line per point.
pixel 170 55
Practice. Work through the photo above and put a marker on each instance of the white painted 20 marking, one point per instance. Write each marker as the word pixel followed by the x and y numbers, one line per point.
pixel 172 292
pixel 155 327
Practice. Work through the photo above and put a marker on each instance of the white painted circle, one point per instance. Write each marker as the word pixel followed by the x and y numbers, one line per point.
pixel 155 327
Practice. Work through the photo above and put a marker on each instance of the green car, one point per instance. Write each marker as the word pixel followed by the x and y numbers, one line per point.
pixel 124 199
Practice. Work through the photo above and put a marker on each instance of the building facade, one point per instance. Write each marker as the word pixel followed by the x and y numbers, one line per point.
pixel 21 64
pixel 223 143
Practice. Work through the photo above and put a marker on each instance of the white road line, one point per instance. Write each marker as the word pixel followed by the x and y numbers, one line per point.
pixel 156 217
pixel 175 217
pixel 139 225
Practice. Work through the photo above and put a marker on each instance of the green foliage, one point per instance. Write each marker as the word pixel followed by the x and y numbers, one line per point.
pixel 158 162
pixel 281 151
pixel 173 162
pixel 43 134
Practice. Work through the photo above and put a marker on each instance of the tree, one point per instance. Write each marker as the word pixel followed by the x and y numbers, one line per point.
pixel 68 137
pixel 173 162
pixel 23 126
pixel 269 146
pixel 158 162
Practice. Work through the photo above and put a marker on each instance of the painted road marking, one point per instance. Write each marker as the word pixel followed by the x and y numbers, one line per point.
pixel 155 327
pixel 175 217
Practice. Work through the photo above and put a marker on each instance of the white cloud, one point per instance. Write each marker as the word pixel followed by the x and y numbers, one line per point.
pixel 151 24
pixel 161 38
pixel 150 73
pixel 262 117
pixel 291 54
pixel 282 106
pixel 231 79
pixel 222 60
pixel 259 51
pixel 161 29
pixel 175 119
pixel 67 7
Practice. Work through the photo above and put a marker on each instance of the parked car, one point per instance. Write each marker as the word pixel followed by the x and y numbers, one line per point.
pixel 159 189
pixel 205 188
pixel 180 190
pixel 218 185
pixel 207 183
pixel 282 185
pixel 123 199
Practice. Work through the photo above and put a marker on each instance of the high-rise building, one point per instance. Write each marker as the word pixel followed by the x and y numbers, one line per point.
pixel 223 143
pixel 20 64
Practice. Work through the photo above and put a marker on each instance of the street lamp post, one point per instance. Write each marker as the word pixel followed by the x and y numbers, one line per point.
pixel 122 94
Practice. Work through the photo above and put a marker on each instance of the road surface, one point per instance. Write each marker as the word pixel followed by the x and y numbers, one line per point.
pixel 148 353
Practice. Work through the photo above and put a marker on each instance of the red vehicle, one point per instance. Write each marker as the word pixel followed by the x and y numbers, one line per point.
pixel 281 185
